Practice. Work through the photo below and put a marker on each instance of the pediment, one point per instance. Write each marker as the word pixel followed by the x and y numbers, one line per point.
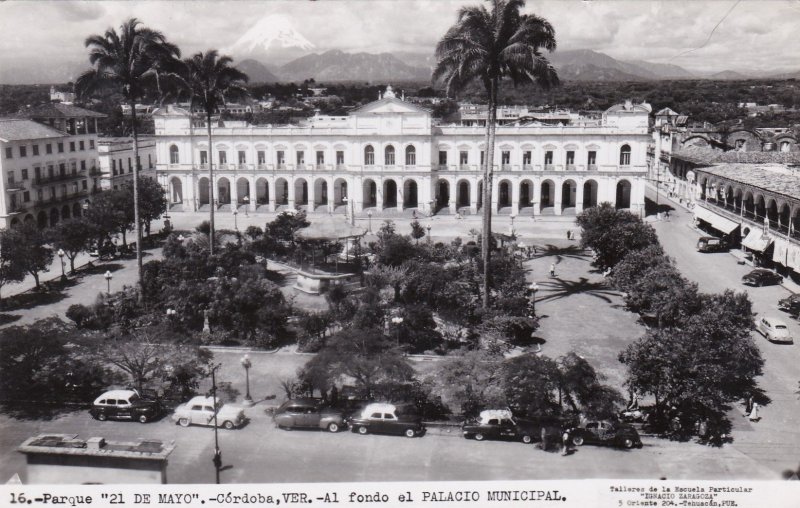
pixel 389 105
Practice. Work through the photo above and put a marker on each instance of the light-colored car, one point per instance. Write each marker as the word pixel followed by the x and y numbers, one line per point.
pixel 200 411
pixel 774 330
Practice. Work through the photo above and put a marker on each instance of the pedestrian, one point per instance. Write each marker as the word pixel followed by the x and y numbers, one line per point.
pixel 552 269
pixel 414 214
pixel 666 214
pixel 569 234
pixel 754 413
pixel 748 406
pixel 565 439
pixel 545 439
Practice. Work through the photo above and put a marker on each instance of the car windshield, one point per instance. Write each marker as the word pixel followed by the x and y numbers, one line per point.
pixel 133 398
pixel 780 327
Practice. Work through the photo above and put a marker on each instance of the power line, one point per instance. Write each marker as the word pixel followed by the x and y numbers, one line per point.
pixel 709 35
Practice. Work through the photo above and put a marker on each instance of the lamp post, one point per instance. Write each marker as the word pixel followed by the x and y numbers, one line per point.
pixel 217 459
pixel 369 217
pixel 235 222
pixel 181 238
pixel 61 255
pixel 513 216
pixel 246 200
pixel 533 288
pixel 246 363
pixel 108 278
pixel 167 223
pixel 397 321
pixel 428 227
pixel 171 313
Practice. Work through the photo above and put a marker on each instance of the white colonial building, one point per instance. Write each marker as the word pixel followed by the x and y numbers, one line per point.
pixel 390 155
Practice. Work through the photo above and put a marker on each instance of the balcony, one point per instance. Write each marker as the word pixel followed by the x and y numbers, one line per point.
pixel 549 167
pixel 571 167
pixel 592 167
pixel 43 180
pixel 527 167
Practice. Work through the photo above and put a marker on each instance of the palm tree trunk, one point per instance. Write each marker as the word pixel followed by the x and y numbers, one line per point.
pixel 137 225
pixel 488 172
pixel 210 187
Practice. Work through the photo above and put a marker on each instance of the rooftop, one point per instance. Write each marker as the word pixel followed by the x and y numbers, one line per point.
pixel 59 110
pixel 704 156
pixel 775 178
pixel 69 444
pixel 18 129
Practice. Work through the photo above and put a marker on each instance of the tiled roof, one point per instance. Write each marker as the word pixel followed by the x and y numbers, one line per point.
pixel 59 110
pixel 666 112
pixel 775 178
pixel 704 156
pixel 16 129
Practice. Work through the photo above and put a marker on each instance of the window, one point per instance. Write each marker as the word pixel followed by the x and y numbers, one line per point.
pixel 24 174
pixel 505 157
pixel 71 146
pixel 223 157
pixel 281 157
pixel 740 144
pixel 81 145
pixel 388 155
pixel 625 155
pixel 114 166
pixel 83 165
pixel 174 155
pixel 10 178
pixel 203 157
pixel 23 151
pixel 442 157
pixel 149 161
pixel 9 153
pixel 62 169
pixel 61 147
pixel 411 156
pixel 39 195
pixel 320 157
pixel 73 166
pixel 130 165
pixel 35 150
pixel 369 155
pixel 526 158
pixel 48 148
pixel 26 197
pixel 548 158
pixel 84 186
pixel 340 157
pixel 570 157
pixel 91 144
pixel 300 157
pixel 483 157
pixel 785 146
pixel 242 157
pixel 376 416
pixel 75 187
pixel 591 159
pixel 463 157
pixel 262 157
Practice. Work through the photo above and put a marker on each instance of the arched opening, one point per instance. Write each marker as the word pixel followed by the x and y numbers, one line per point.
pixel 749 205
pixel 462 199
pixel 625 155
pixel 737 200
pixel 443 194
pixel 320 192
pixel 262 191
pixel 76 211
pixel 569 191
pixel 53 216
pixel 761 208
pixel 242 192
pixel 300 191
pixel 41 219
pixel 772 214
pixel 281 192
pixel 728 198
pixel 783 218
pixel 589 194
pixel 389 194
pixel 369 193
pixel 388 155
pixel 339 191
pixel 14 222
pixel 410 194
pixel 66 211
pixel 202 191
pixel 29 219
pixel 411 155
pixel 504 194
pixel 223 191
pixel 175 190
pixel 623 194
pixel 525 194
pixel 369 155
pixel 794 224
pixel 174 156
pixel 547 195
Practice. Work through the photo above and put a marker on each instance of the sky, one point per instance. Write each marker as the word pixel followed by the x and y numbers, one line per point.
pixel 42 37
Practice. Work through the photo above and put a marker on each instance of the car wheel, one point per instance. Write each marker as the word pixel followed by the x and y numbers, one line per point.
pixel 527 439
pixel 362 430
pixel 410 433
pixel 143 419
pixel 479 437
pixel 183 422
pixel 628 443
pixel 102 417
pixel 228 424
pixel 333 427
pixel 577 440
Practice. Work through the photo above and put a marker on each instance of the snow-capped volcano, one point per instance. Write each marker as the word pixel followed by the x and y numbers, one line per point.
pixel 273 35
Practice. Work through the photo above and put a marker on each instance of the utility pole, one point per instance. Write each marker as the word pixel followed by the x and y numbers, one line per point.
pixel 217 459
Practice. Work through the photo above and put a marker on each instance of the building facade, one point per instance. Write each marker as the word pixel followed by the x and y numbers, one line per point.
pixel 390 155
pixel 116 158
pixel 49 164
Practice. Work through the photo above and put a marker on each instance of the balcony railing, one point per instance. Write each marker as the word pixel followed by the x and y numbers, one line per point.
pixel 571 167
pixel 42 180
pixel 592 167
pixel 549 167
pixel 734 212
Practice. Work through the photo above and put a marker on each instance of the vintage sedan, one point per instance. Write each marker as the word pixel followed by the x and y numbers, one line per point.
pixel 125 405
pixel 606 433
pixel 500 424
pixel 774 330
pixel 310 414
pixel 383 418
pixel 200 411
pixel 790 304
pixel 762 277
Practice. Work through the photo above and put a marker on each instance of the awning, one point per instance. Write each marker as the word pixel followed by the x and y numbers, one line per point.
pixel 717 221
pixel 757 240
pixel 787 254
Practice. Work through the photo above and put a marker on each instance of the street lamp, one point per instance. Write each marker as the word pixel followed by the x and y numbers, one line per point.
pixel 533 288
pixel 246 363
pixel 397 321
pixel 235 222
pixel 428 227
pixel 61 255
pixel 181 238
pixel 246 200
pixel 108 278
pixel 513 216
pixel 369 217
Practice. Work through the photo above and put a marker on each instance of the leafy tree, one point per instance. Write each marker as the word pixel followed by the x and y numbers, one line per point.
pixel 472 381
pixel 628 271
pixel 25 246
pixel 79 314
pixel 128 63
pixel 417 231
pixel 487 46
pixel 285 225
pixel 613 233
pixel 73 236
pixel 110 214
pixel 530 384
pixel 395 250
pixel 418 329
pixel 582 389
pixel 10 271
pixel 253 232
pixel 152 201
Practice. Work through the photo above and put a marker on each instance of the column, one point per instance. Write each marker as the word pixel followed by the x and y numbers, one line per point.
pixel 290 183
pixel 356 192
pixel 453 197
pixel 537 195
pixel 400 203
pixel 331 195
pixel 514 190
pixel 272 192
pixel 473 195
pixel 557 183
pixel 495 194
pixel 311 194
pixel 578 197
pixel 253 203
pixel 378 194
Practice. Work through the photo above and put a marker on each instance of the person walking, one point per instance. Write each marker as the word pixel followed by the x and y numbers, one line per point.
pixel 565 439
pixel 552 269
pixel 754 413
pixel 569 234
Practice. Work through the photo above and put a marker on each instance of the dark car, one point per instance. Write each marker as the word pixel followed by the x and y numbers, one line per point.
pixel 125 405
pixel 790 304
pixel 711 244
pixel 501 424
pixel 308 413
pixel 762 277
pixel 606 433
pixel 382 418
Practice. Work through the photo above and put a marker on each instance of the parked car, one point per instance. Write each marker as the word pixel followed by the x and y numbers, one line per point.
pixel 762 277
pixel 774 330
pixel 125 405
pixel 200 411
pixel 383 418
pixel 790 304
pixel 501 424
pixel 308 413
pixel 711 244
pixel 606 433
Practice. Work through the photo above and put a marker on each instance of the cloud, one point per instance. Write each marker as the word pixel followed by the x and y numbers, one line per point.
pixel 80 11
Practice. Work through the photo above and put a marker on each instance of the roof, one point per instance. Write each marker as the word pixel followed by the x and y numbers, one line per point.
pixel 69 444
pixel 378 407
pixel 774 178
pixel 18 129
pixel 170 110
pixel 704 156
pixel 59 110
pixel 500 414
pixel 629 107
pixel 389 105
pixel 666 112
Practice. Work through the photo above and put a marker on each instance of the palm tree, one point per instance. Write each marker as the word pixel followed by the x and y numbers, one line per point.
pixel 208 78
pixel 489 45
pixel 127 63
